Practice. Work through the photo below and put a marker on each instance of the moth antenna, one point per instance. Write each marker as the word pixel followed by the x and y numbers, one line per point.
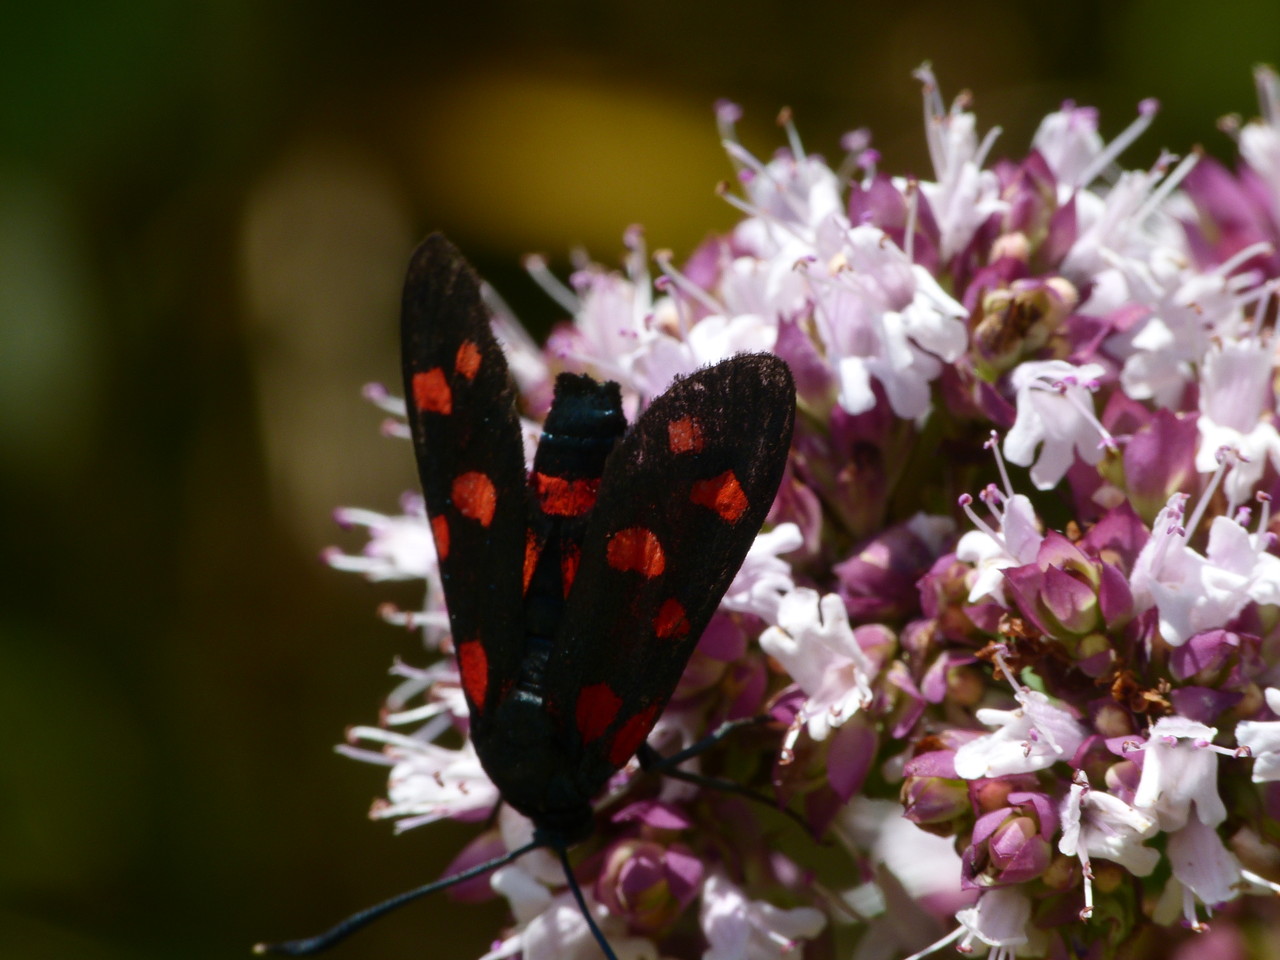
pixel 357 921
pixel 650 759
pixel 737 789
pixel 582 905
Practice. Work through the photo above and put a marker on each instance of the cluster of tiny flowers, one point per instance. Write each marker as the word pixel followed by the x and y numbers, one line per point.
pixel 1015 615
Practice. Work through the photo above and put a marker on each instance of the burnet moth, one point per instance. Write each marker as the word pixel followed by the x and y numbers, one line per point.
pixel 576 591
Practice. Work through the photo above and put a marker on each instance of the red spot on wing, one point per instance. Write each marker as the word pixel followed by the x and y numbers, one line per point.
pixel 633 733
pixel 475 497
pixel 685 436
pixel 635 548
pixel 570 557
pixel 431 393
pixel 559 497
pixel 723 494
pixel 440 530
pixel 473 664
pixel 531 550
pixel 467 362
pixel 671 622
pixel 597 706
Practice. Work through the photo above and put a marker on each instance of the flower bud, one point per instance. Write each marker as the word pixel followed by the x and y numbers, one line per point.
pixel 648 883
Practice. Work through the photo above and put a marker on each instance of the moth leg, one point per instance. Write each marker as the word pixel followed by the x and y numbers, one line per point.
pixel 650 759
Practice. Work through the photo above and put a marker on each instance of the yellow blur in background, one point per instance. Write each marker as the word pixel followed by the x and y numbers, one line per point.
pixel 205 214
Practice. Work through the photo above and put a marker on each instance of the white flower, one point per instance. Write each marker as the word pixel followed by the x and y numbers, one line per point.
pixel 816 646
pixel 1203 867
pixel 1186 310
pixel 399 548
pixel 1014 541
pixel 1194 593
pixel 551 927
pixel 1260 140
pixel 740 929
pixel 764 577
pixel 964 196
pixel 1001 919
pixel 613 326
pixel 428 782
pixel 1036 735
pixel 1055 413
pixel 924 863
pixel 1131 225
pixel 1236 394
pixel 882 318
pixel 793 191
pixel 1069 141
pixel 1180 769
pixel 1097 824
pixel 1262 737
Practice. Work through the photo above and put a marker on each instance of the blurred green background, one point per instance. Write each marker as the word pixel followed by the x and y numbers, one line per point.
pixel 205 212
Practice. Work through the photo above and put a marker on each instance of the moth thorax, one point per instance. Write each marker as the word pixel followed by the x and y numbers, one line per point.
pixel 585 419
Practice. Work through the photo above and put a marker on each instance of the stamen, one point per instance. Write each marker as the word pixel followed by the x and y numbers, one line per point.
pixel 728 113
pixel 985 146
pixel 787 752
pixel 752 210
pixel 858 155
pixel 934 113
pixel 536 266
pixel 1264 536
pixel 416 715
pixel 994 446
pixel 744 158
pixel 636 264
pixel 1086 873
pixel 1237 259
pixel 998 652
pixel 663 259
pixel 1226 457
pixel 1147 110
pixel 395 429
pixel 1168 185
pixel 1106 439
pixel 737 152
pixel 384 400
pixel 1189 911
pixel 951 937
pixel 965 501
pixel 381 735
pixel 1268 84
pixel 1257 881
pixel 912 194
pixel 793 136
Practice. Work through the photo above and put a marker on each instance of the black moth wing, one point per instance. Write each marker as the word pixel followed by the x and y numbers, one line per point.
pixel 682 498
pixel 466 439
